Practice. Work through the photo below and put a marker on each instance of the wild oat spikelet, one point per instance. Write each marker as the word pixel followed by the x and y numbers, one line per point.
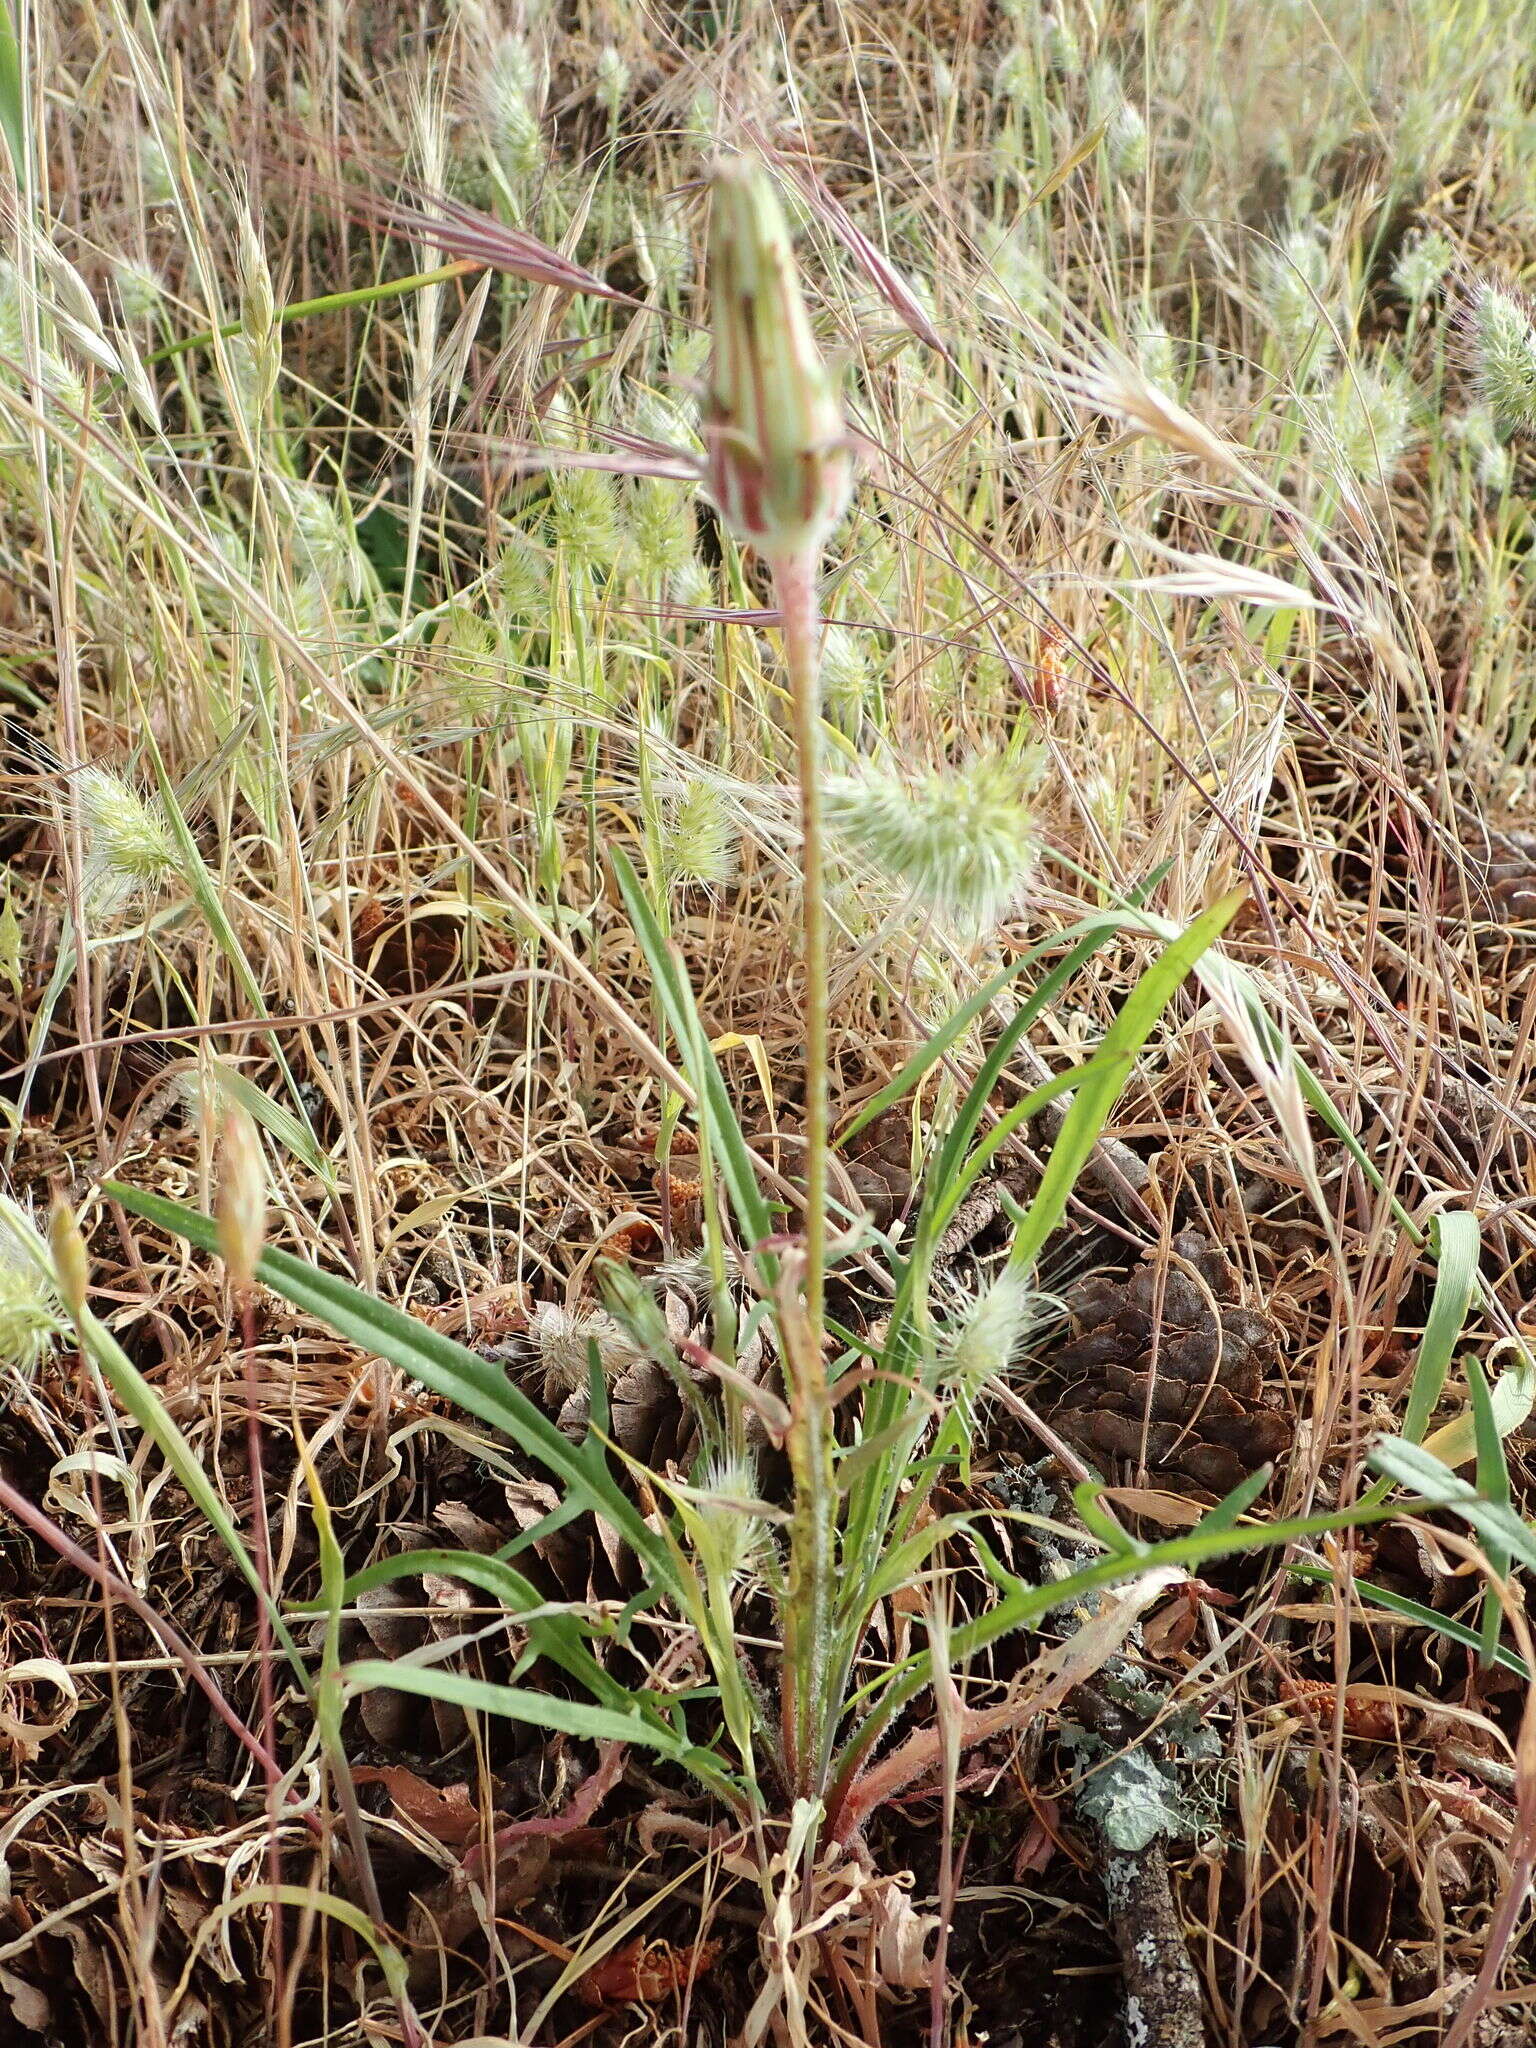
pixel 32 1315
pixel 961 839
pixel 1499 339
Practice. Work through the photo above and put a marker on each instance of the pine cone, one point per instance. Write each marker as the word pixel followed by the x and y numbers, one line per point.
pixel 1189 1404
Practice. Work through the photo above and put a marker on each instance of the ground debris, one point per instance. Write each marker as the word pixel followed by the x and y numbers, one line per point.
pixel 1167 1370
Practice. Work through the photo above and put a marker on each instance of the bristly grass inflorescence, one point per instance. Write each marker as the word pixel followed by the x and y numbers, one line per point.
pixel 962 839
pixel 1498 325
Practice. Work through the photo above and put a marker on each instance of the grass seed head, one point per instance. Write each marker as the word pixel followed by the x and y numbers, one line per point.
pixel 1293 288
pixel 563 1343
pixel 1370 419
pixel 731 1531
pixel 960 839
pixel 1489 457
pixel 1499 328
pixel 777 457
pixel 129 842
pixel 701 840
pixel 140 289
pixel 1014 77
pixel 847 677
pixel 32 1318
pixel 584 518
pixel 659 519
pixel 613 79
pixel 325 543
pixel 1421 268
pixel 511 91
pixel 522 581
pixel 985 1338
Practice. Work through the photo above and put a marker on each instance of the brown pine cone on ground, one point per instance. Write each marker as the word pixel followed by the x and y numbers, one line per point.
pixel 1168 1372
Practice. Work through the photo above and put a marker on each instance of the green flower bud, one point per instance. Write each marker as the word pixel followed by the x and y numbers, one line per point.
pixel 777 459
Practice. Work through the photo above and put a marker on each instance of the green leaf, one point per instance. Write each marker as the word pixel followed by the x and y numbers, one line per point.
pixel 1229 1512
pixel 152 1416
pixel 1095 931
pixel 1496 1522
pixel 1107 1073
pixel 512 1702
pixel 448 1368
pixel 681 1012
pixel 13 103
pixel 1458 1244
pixel 1493 1482
pixel 557 1633
pixel 1413 1610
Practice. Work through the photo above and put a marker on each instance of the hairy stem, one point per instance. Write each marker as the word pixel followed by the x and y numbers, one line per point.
pixel 813 1560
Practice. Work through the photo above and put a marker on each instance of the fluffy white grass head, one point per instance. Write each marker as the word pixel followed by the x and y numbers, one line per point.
pixel 140 288
pixel 1488 456
pixel 613 77
pixel 660 524
pixel 584 518
pixel 511 92
pixel 324 542
pixel 563 1342
pixel 1293 279
pixel 960 839
pixel 730 1528
pixel 985 1338
pixel 1421 268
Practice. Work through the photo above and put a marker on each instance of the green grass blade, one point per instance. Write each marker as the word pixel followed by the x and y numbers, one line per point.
pixel 13 104
pixel 1414 1610
pixel 1107 1074
pixel 152 1416
pixel 1094 931
pixel 1458 1244
pixel 681 1012
pixel 1497 1523
pixel 1493 1483
pixel 447 1368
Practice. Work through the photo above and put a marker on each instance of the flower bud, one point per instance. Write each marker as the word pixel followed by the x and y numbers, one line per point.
pixel 242 1214
pixel 777 459
pixel 71 1263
